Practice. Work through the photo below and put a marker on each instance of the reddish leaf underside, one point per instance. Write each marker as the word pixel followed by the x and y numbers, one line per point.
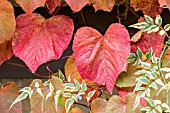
pixel 101 58
pixel 105 5
pixel 149 7
pixel 8 93
pixel 164 2
pixel 52 4
pixel 147 41
pixel 5 51
pixel 7 21
pixel 76 5
pixel 38 40
pixel 30 5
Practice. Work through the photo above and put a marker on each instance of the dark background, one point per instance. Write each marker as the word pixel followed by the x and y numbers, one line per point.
pixel 99 20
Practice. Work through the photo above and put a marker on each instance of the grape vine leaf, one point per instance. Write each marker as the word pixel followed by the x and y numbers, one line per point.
pixel 71 70
pixel 147 41
pixel 76 5
pixel 101 58
pixel 117 105
pixel 7 21
pixel 98 106
pixel 105 5
pixel 52 4
pixel 30 5
pixel 8 93
pixel 38 40
pixel 164 2
pixel 148 7
pixel 5 51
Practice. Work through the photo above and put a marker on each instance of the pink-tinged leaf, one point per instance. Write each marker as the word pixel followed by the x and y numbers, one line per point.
pixel 52 4
pixel 76 5
pixel 8 93
pixel 147 41
pixel 5 51
pixel 164 2
pixel 105 5
pixel 7 21
pixel 30 5
pixel 38 40
pixel 101 58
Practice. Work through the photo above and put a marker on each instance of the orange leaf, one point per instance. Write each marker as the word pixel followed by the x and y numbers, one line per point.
pixel 76 110
pixel 136 37
pixel 149 7
pixel 30 5
pixel 5 51
pixel 8 93
pixel 7 21
pixel 164 2
pixel 98 106
pixel 52 4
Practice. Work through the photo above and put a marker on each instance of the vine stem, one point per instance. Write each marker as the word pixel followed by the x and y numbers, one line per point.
pixel 42 107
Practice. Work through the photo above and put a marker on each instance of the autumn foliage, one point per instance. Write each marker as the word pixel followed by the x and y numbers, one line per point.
pixel 99 62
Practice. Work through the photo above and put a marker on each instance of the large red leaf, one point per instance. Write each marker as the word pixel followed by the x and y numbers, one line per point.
pixel 164 2
pixel 5 51
pixel 52 4
pixel 30 5
pixel 106 5
pixel 38 40
pixel 7 21
pixel 76 5
pixel 101 58
pixel 8 93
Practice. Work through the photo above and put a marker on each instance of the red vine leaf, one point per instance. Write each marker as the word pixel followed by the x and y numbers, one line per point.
pixel 164 2
pixel 8 93
pixel 52 4
pixel 38 40
pixel 149 7
pixel 101 58
pixel 7 21
pixel 76 5
pixel 105 5
pixel 147 41
pixel 30 5
pixel 5 51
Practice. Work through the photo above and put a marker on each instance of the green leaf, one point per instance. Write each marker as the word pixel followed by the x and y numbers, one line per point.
pixel 51 87
pixel 154 60
pixel 25 89
pixel 22 96
pixel 81 92
pixel 56 97
pixel 153 85
pixel 83 86
pixel 138 85
pixel 167 27
pixel 68 104
pixel 61 75
pixel 153 28
pixel 149 19
pixel 165 105
pixel 139 53
pixel 159 81
pixel 151 102
pixel 162 32
pixel 145 65
pixel 146 108
pixel 148 92
pixel 69 85
pixel 77 84
pixel 67 94
pixel 48 95
pixel 139 25
pixel 140 72
pixel 165 87
pixel 158 20
pixel 149 54
pixel 137 100
pixel 47 83
pixel 75 97
pixel 145 81
pixel 146 28
pixel 90 94
pixel 132 57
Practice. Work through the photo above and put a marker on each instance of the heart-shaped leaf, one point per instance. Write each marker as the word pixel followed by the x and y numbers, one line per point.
pixel 30 5
pixel 5 51
pixel 101 58
pixel 52 4
pixel 7 21
pixel 76 5
pixel 38 40
pixel 164 2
